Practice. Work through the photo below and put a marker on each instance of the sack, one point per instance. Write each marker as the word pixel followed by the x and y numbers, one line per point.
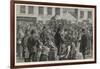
pixel 79 55
pixel 26 52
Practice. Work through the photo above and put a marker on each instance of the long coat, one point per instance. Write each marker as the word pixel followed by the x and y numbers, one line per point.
pixel 32 44
pixel 83 43
pixel 58 41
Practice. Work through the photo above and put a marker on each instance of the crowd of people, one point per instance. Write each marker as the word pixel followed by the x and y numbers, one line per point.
pixel 55 40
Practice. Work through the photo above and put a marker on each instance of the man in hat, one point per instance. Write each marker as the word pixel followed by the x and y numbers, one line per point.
pixel 83 43
pixel 32 45
pixel 58 40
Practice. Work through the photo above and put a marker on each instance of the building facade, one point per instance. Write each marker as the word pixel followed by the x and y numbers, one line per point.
pixel 44 13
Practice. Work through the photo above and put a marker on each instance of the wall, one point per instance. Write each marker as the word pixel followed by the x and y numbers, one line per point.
pixel 5 35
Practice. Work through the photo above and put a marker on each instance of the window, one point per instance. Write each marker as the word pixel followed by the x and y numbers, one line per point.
pixel 57 11
pixel 22 9
pixel 89 14
pixel 76 13
pixel 49 11
pixel 41 10
pixel 64 10
pixel 30 9
pixel 81 14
